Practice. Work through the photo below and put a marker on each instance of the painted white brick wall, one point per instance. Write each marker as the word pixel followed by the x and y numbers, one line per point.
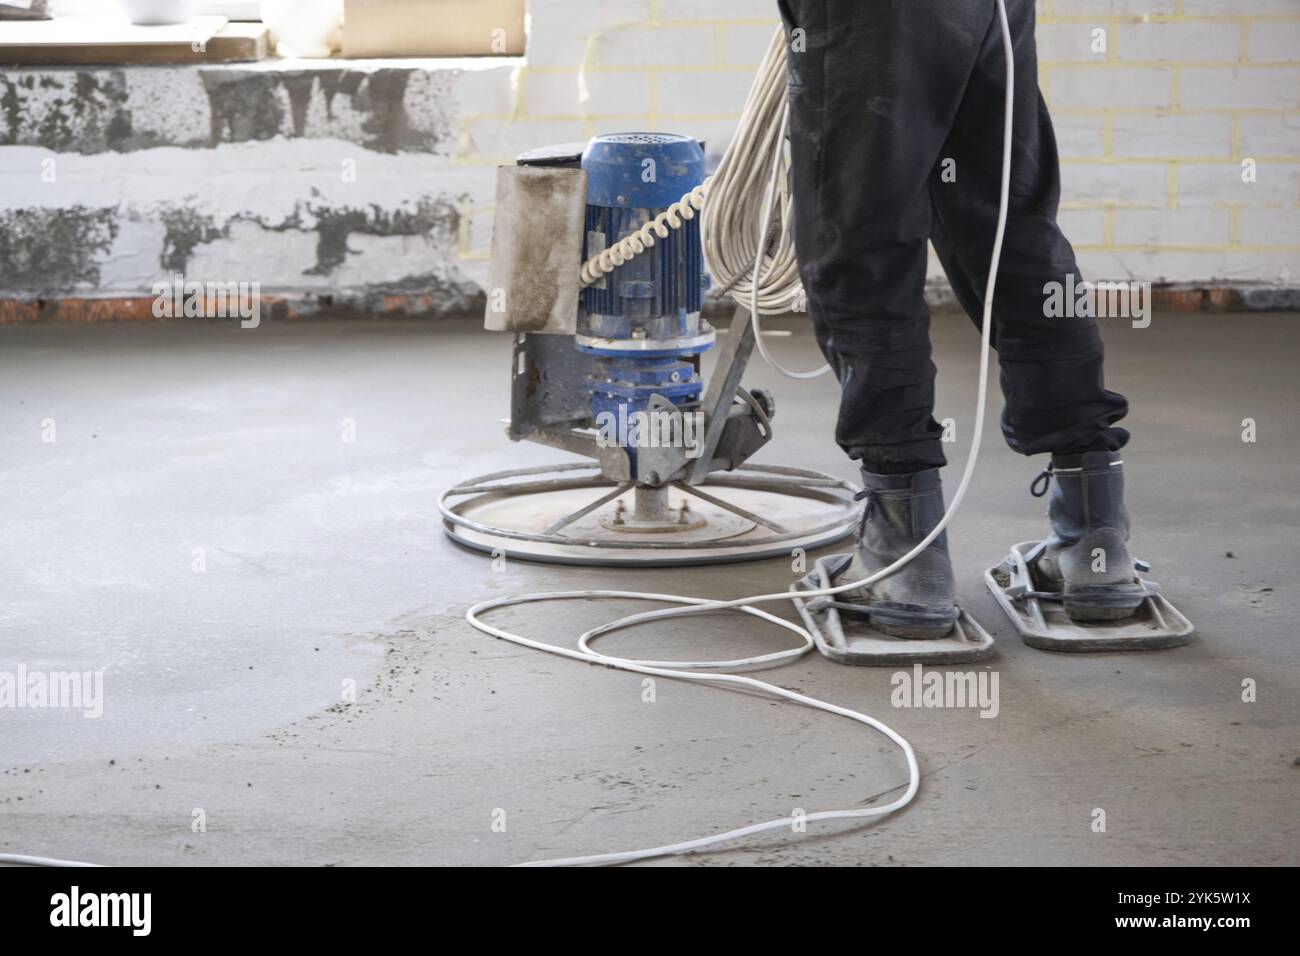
pixel 1135 135
pixel 1153 128
pixel 1196 41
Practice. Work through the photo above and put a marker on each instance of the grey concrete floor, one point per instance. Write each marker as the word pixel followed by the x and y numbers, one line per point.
pixel 187 445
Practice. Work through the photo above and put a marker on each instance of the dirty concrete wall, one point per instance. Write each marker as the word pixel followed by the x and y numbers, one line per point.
pixel 328 179
pixel 369 183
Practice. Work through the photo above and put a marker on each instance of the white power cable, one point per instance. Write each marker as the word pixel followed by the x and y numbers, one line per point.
pixel 694 605
pixel 747 191
pixel 758 263
pixel 605 262
pixel 679 671
pixel 19 859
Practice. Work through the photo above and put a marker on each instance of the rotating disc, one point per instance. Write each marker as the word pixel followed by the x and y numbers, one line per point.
pixel 571 514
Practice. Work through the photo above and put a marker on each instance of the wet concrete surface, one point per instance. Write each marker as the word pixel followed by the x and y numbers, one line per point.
pixel 238 526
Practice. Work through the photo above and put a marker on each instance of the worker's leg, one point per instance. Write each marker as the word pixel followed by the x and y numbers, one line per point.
pixel 874 87
pixel 1051 367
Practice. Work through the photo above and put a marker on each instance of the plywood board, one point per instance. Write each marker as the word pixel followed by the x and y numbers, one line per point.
pixel 385 28
pixel 86 40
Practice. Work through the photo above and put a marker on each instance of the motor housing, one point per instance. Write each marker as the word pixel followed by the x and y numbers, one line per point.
pixel 641 321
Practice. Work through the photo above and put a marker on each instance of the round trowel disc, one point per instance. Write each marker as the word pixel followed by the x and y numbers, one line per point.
pixel 548 515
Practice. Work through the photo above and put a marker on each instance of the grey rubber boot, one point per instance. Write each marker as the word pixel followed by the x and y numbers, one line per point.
pixel 1087 556
pixel 917 600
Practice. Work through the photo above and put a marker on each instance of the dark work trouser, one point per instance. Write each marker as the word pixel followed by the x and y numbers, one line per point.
pixel 886 96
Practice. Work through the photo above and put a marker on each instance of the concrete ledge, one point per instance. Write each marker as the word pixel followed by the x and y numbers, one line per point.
pixel 319 177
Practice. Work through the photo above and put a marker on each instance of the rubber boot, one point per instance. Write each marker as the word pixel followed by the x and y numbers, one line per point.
pixel 917 600
pixel 1087 556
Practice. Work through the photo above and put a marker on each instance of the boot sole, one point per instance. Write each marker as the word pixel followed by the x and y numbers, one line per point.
pixel 912 625
pixel 913 633
pixel 1084 614
pixel 1103 602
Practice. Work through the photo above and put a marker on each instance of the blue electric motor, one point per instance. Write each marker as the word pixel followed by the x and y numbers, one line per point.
pixel 642 321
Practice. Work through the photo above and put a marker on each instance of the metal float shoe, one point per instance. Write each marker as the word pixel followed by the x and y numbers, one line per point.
pixel 1079 590
pixel 909 616
pixel 843 631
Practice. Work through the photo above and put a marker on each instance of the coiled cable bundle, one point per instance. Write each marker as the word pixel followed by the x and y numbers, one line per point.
pixel 738 223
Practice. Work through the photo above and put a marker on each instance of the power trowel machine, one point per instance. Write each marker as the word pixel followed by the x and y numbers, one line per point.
pixel 608 366
pixel 599 271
